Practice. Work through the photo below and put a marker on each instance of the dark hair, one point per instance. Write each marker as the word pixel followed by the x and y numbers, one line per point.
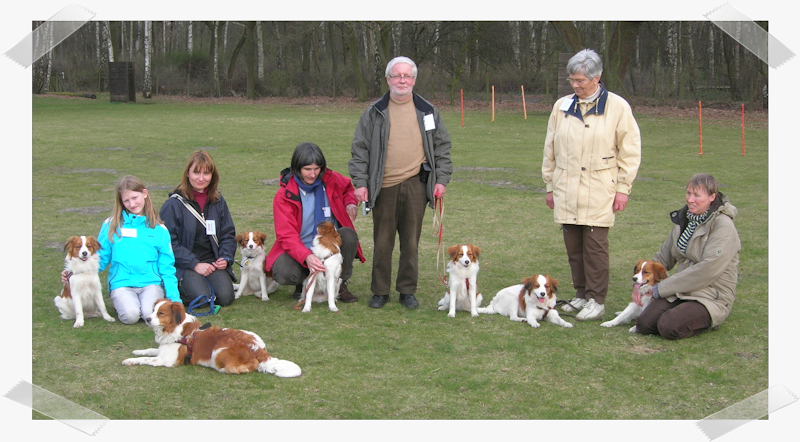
pixel 305 154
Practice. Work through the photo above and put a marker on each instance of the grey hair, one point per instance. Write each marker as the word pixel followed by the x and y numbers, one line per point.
pixel 406 60
pixel 587 62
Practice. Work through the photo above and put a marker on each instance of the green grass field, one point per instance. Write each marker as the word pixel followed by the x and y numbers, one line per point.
pixel 394 363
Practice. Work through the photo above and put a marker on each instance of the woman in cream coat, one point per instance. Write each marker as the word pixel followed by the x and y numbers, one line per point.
pixel 591 156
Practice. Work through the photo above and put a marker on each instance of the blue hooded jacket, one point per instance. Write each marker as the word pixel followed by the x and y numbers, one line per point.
pixel 139 256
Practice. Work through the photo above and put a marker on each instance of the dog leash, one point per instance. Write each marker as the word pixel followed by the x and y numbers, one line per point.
pixel 438 220
pixel 300 303
pixel 202 299
pixel 561 302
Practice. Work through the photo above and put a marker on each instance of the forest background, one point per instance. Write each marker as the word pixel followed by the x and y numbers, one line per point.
pixel 657 61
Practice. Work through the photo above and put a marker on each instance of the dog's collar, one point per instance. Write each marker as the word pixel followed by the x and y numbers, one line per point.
pixel 188 341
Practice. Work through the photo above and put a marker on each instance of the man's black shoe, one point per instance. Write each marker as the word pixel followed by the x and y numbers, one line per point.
pixel 408 301
pixel 378 301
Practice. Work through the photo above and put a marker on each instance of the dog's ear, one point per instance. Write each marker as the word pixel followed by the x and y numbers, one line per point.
pixel 70 241
pixel 528 283
pixel 553 284
pixel 178 312
pixel 239 237
pixel 476 250
pixel 92 243
pixel 661 271
pixel 452 250
pixel 262 236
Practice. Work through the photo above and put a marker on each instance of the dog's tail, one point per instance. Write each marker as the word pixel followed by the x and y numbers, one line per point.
pixel 280 368
pixel 488 310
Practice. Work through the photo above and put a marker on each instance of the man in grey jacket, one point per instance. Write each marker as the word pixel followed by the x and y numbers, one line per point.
pixel 396 173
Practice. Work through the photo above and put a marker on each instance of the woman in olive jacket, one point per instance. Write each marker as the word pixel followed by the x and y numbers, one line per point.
pixel 703 248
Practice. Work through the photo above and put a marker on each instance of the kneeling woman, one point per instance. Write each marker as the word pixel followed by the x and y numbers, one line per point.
pixel 203 235
pixel 703 247
pixel 309 194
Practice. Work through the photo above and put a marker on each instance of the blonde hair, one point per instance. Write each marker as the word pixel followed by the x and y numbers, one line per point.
pixel 704 182
pixel 201 160
pixel 132 184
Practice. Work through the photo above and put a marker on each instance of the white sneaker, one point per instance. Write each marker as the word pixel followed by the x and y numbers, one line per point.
pixel 574 305
pixel 592 310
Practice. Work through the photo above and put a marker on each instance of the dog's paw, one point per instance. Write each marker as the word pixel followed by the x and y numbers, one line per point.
pixel 475 315
pixel 632 329
pixel 535 324
pixel 109 318
pixel 139 353
pixel 567 325
pixel 306 309
pixel 128 362
pixel 77 324
pixel 451 315
pixel 607 324
pixel 334 309
pixel 265 298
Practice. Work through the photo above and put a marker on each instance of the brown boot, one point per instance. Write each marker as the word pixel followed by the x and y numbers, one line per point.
pixel 345 295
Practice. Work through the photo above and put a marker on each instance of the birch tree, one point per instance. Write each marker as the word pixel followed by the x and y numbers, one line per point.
pixel 147 88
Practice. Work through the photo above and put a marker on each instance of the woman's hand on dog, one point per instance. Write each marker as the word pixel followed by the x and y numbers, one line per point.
pixel 315 264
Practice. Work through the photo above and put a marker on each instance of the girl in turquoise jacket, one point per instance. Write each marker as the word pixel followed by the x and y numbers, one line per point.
pixel 137 250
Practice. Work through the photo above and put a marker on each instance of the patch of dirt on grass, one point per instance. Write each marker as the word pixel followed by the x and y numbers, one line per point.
pixel 641 350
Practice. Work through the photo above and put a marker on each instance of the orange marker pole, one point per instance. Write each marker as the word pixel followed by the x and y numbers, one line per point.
pixel 700 106
pixel 462 107
pixel 492 102
pixel 524 109
pixel 742 129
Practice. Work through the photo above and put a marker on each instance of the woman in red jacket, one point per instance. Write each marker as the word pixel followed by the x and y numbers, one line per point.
pixel 310 193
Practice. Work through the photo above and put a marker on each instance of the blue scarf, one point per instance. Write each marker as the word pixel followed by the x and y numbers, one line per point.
pixel 319 198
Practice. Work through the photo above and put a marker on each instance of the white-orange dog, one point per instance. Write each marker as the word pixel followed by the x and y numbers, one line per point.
pixel 463 280
pixel 319 287
pixel 253 280
pixel 81 297
pixel 646 274
pixel 532 301
pixel 182 340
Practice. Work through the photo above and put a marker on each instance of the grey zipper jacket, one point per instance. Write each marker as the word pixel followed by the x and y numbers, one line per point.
pixel 708 271
pixel 368 151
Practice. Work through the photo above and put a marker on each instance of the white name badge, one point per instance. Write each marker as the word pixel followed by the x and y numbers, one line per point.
pixel 565 105
pixel 326 211
pixel 128 232
pixel 430 124
pixel 211 227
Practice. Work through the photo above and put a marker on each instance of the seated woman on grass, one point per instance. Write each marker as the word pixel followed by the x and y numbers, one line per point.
pixel 703 248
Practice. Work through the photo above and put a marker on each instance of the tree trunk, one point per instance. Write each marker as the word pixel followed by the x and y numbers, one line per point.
pixel 250 58
pixel 147 88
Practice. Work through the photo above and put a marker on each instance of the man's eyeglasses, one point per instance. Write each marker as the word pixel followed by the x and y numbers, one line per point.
pixel 402 77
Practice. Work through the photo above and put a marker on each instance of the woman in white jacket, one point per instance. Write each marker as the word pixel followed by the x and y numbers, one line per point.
pixel 591 156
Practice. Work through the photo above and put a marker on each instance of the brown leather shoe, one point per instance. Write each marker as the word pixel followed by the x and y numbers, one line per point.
pixel 345 295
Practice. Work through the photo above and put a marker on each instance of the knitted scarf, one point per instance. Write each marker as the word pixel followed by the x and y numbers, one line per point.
pixel 694 221
pixel 319 198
